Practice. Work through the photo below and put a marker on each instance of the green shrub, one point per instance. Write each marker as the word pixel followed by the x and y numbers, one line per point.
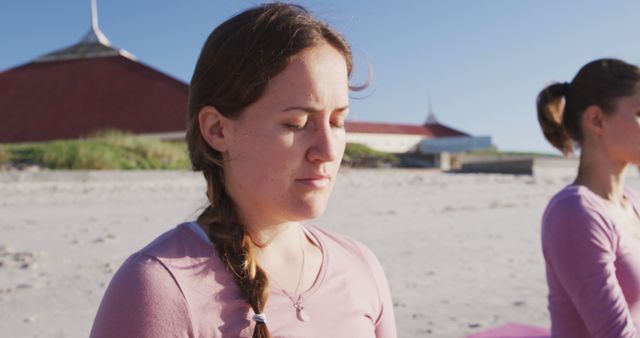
pixel 360 155
pixel 109 149
pixel 5 155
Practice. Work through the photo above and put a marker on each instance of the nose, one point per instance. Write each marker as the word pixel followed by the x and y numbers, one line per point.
pixel 327 144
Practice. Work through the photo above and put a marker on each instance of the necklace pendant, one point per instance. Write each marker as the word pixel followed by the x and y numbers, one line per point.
pixel 303 315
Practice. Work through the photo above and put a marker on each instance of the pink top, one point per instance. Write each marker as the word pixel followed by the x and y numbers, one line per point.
pixel 178 287
pixel 593 267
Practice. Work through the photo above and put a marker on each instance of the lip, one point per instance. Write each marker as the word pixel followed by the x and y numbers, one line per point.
pixel 315 181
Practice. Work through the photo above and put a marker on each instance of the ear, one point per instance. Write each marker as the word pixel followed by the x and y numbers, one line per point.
pixel 213 127
pixel 593 120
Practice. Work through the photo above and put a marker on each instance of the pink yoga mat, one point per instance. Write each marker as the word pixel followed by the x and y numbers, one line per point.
pixel 513 331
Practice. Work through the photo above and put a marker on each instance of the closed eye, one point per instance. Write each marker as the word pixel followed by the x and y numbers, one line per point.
pixel 296 127
pixel 339 116
pixel 338 124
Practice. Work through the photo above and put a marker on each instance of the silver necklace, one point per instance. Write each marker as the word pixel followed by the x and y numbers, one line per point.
pixel 298 302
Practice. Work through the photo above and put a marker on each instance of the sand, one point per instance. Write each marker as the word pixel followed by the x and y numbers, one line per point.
pixel 461 251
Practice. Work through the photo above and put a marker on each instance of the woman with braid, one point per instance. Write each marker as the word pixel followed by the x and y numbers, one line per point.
pixel 267 106
pixel 591 229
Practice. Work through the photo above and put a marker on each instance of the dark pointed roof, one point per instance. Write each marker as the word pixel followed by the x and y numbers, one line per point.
pixel 431 119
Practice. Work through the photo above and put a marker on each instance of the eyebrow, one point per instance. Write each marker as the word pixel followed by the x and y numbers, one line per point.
pixel 309 109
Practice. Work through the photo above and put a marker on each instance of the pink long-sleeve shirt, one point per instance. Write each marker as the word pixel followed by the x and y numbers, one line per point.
pixel 178 287
pixel 593 267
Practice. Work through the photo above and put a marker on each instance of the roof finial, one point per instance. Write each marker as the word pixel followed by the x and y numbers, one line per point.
pixel 93 44
pixel 95 35
pixel 94 15
pixel 431 117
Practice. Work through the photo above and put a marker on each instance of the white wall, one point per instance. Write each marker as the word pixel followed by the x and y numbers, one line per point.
pixel 389 143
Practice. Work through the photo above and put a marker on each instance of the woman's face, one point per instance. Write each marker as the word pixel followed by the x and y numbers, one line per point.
pixel 621 130
pixel 285 149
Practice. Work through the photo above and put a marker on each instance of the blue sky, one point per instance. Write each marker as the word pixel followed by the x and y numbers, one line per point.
pixel 482 62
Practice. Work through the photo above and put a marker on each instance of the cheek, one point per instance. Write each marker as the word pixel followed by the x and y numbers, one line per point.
pixel 618 129
pixel 262 162
pixel 342 143
pixel 626 139
pixel 629 131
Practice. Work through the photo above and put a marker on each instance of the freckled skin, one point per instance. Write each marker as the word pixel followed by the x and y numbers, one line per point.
pixel 266 158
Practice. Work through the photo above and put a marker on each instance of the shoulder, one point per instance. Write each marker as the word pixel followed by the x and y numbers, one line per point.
pixel 141 274
pixel 575 215
pixel 348 253
pixel 575 202
pixel 152 271
pixel 572 198
pixel 182 256
pixel 345 245
pixel 366 273
pixel 142 300
pixel 145 296
pixel 178 242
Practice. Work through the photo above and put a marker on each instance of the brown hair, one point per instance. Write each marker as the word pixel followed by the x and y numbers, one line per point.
pixel 561 105
pixel 235 66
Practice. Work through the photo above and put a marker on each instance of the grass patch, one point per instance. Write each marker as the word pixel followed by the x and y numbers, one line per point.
pixel 105 150
pixel 5 156
pixel 360 155
pixel 117 150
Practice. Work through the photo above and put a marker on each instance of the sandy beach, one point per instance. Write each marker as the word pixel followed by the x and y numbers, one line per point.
pixel 461 251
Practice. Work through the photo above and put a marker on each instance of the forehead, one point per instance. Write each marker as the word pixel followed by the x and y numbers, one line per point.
pixel 317 73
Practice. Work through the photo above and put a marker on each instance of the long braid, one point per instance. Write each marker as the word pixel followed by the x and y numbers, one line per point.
pixel 236 63
pixel 234 246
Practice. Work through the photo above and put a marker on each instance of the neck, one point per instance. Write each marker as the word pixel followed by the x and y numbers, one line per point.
pixel 602 175
pixel 274 235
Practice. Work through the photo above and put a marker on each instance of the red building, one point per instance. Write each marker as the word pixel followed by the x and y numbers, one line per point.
pixel 88 86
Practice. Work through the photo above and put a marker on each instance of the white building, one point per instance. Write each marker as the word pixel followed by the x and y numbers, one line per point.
pixel 429 138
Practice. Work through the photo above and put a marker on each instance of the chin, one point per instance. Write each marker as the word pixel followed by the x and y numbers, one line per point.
pixel 309 210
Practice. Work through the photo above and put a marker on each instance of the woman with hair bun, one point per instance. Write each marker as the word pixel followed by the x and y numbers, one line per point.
pixel 267 106
pixel 591 228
